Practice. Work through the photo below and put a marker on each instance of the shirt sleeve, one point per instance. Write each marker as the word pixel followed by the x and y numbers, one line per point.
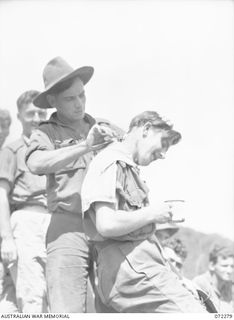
pixel 8 166
pixel 99 184
pixel 38 141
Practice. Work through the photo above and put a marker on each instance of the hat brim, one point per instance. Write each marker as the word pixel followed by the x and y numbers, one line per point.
pixel 84 73
pixel 171 227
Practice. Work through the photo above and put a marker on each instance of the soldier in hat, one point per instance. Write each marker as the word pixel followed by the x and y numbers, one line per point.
pixel 23 213
pixel 62 148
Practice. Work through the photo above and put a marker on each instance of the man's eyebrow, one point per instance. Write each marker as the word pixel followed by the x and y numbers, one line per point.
pixel 75 95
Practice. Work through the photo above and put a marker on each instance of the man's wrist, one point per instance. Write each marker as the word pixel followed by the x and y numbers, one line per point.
pixel 86 145
pixel 148 215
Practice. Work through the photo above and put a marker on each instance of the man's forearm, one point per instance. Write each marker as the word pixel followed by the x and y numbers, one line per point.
pixel 5 225
pixel 112 223
pixel 45 162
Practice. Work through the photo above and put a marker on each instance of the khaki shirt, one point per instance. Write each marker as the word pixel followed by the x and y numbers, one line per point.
pixel 63 186
pixel 25 187
pixel 113 178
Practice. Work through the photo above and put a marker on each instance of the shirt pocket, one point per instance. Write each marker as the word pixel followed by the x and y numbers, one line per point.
pixel 136 197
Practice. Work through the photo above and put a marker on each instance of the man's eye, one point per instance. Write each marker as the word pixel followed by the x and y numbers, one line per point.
pixel 42 115
pixel 165 144
pixel 69 98
pixel 4 126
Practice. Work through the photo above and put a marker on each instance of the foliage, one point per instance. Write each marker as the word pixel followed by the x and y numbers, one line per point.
pixel 198 245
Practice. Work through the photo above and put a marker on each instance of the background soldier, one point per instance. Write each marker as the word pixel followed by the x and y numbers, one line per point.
pixel 23 231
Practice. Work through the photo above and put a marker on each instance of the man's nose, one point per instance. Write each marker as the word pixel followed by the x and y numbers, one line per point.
pixel 229 270
pixel 162 155
pixel 36 117
pixel 78 102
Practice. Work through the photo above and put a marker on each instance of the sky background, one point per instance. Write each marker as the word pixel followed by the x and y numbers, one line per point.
pixel 175 57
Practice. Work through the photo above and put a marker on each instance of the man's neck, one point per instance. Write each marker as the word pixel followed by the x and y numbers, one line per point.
pixel 217 283
pixel 129 145
pixel 70 122
pixel 26 134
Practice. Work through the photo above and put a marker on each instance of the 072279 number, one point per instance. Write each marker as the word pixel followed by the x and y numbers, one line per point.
pixel 223 316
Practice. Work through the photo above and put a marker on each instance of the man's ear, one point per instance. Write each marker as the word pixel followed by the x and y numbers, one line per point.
pixel 211 266
pixel 51 100
pixel 146 128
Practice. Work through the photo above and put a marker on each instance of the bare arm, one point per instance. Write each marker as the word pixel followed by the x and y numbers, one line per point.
pixel 8 247
pixel 112 223
pixel 44 162
pixel 49 161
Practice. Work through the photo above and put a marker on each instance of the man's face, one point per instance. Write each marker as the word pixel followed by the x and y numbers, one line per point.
pixel 163 235
pixel 30 116
pixel 152 146
pixel 223 268
pixel 4 130
pixel 70 104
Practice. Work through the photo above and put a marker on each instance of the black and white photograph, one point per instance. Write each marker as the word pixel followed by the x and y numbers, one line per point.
pixel 116 157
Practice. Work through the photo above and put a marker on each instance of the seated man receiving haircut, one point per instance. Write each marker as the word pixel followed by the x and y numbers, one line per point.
pixel 133 276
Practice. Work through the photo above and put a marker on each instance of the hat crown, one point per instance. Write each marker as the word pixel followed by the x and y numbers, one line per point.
pixel 55 70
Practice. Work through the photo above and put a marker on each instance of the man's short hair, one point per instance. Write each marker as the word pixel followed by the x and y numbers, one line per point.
pixel 220 251
pixel 5 116
pixel 156 121
pixel 26 98
pixel 178 247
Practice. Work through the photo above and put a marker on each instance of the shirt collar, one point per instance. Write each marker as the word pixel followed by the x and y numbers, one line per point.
pixel 212 284
pixel 25 139
pixel 123 153
pixel 54 119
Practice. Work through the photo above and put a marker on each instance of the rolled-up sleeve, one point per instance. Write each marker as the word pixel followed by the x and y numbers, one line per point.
pixel 8 166
pixel 38 141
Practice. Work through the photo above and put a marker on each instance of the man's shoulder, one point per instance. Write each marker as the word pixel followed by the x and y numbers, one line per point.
pixel 112 154
pixel 203 281
pixel 103 159
pixel 15 145
pixel 201 277
pixel 45 125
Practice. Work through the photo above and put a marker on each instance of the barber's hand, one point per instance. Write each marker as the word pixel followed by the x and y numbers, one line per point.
pixel 99 134
pixel 8 250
